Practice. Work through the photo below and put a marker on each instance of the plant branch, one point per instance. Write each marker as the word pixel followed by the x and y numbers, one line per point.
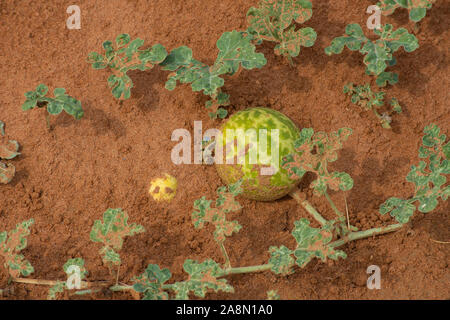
pixel 84 284
pixel 366 234
pixel 230 271
pixel 297 195
pixel 350 237
pixel 336 210
pixel 249 269
pixel 225 254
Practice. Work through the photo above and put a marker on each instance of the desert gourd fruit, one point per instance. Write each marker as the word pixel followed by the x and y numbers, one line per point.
pixel 248 142
pixel 163 189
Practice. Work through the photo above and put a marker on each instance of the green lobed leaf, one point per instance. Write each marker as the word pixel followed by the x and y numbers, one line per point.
pixel 428 177
pixel 55 105
pixel 313 153
pixel 344 179
pixel 29 104
pixel 110 257
pixel 225 203
pixel 400 209
pixel 9 149
pixel 236 49
pixel 385 78
pixel 222 99
pixel 125 55
pixel 200 77
pixel 151 281
pixel 353 40
pixel 377 54
pixel 367 99
pixel 417 8
pixel 11 243
pixel 179 57
pixel 122 40
pixel 41 90
pixel 428 203
pixel 363 96
pixel 59 287
pixel 281 260
pixel 417 14
pixel 396 107
pixel 293 40
pixel 111 232
pixel 314 243
pixel 221 114
pixel 274 21
pixel 202 278
pixel 395 39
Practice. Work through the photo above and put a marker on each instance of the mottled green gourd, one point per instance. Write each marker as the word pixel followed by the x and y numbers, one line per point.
pixel 255 185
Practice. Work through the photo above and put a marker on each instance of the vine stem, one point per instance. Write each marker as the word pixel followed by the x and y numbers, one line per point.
pixel 117 277
pixel 352 236
pixel 84 285
pixel 333 206
pixel 298 196
pixel 42 282
pixel 366 234
pixel 249 269
pixel 47 119
pixel 225 254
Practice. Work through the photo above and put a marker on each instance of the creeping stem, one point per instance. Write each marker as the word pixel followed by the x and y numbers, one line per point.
pixel 297 195
pixel 366 234
pixel 333 206
pixel 350 237
pixel 250 269
pixel 225 254
pixel 228 271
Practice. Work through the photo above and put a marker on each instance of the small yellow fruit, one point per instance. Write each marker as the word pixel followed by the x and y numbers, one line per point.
pixel 163 189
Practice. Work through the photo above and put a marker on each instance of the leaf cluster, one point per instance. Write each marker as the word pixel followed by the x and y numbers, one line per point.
pixel 60 286
pixel 311 243
pixel 274 21
pixel 429 178
pixel 55 105
pixel 11 243
pixel 313 153
pixel 378 54
pixel 225 203
pixel 202 278
pixel 417 8
pixel 367 99
pixel 111 233
pixel 122 56
pixel 235 50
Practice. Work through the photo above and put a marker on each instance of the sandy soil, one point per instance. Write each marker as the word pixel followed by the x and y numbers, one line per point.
pixel 67 177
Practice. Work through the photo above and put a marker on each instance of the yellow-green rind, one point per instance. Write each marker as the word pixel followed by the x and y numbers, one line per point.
pixel 256 186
